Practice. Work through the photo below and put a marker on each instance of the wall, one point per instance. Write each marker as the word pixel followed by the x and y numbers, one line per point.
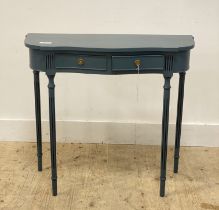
pixel 113 109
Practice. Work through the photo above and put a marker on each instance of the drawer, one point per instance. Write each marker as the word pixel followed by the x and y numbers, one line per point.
pixel 129 63
pixel 83 62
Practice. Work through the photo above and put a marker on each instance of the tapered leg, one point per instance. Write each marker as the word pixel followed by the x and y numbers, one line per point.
pixel 52 122
pixel 179 120
pixel 165 124
pixel 38 118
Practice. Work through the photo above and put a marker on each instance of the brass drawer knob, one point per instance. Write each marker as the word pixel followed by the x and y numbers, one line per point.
pixel 81 61
pixel 137 62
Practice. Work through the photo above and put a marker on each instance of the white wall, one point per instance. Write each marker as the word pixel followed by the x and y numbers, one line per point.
pixel 95 98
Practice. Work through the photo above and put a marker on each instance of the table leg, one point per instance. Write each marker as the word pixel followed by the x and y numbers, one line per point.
pixel 52 122
pixel 38 118
pixel 179 120
pixel 165 124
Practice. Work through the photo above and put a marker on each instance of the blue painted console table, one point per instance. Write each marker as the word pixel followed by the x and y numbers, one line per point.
pixel 109 54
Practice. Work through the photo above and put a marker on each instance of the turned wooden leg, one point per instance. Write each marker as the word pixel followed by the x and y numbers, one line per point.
pixel 52 122
pixel 165 124
pixel 38 118
pixel 179 120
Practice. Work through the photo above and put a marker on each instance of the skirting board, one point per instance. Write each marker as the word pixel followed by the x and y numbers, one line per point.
pixel 110 132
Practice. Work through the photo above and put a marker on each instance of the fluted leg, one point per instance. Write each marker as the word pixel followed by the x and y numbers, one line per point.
pixel 52 122
pixel 38 118
pixel 179 120
pixel 165 124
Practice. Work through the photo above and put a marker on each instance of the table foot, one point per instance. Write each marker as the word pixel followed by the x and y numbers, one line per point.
pixel 176 163
pixel 54 187
pixel 162 187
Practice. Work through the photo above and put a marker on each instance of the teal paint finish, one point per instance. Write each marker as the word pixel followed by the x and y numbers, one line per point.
pixel 148 62
pixel 109 54
pixel 110 42
pixel 106 63
pixel 70 61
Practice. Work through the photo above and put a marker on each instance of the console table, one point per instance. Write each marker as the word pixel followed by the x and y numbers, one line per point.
pixel 109 54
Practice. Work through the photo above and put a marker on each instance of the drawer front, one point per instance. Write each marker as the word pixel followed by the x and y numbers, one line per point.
pixel 83 62
pixel 130 63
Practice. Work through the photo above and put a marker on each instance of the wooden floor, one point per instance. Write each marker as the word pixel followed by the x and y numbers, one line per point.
pixel 108 177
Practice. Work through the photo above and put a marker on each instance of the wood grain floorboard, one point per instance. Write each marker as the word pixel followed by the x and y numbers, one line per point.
pixel 107 177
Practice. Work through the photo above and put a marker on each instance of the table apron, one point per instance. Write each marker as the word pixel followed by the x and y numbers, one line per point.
pixel 108 63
